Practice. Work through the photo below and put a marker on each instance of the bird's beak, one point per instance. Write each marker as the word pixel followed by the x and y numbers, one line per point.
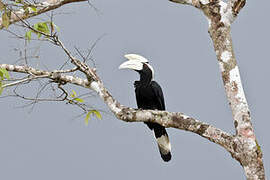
pixel 131 64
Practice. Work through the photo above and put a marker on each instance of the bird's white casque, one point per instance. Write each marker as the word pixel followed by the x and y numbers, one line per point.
pixel 136 62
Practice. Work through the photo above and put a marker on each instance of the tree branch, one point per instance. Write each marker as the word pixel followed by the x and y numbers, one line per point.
pixel 196 3
pixel 187 2
pixel 54 75
pixel 28 79
pixel 42 7
pixel 167 119
pixel 236 5
pixel 250 157
pixel 220 16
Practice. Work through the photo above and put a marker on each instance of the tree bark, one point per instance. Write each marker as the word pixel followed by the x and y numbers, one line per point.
pixel 220 16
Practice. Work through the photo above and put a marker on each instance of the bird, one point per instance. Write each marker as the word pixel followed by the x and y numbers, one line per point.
pixel 149 96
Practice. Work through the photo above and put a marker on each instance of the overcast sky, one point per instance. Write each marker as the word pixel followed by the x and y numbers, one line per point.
pixel 49 141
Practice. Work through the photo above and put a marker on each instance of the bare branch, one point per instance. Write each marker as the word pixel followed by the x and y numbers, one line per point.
pixel 187 2
pixel 56 76
pixel 167 119
pixel 220 34
pixel 196 3
pixel 249 153
pixel 220 16
pixel 28 79
pixel 83 67
pixel 236 5
pixel 164 118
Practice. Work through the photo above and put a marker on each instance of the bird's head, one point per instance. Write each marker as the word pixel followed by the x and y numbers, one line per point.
pixel 139 64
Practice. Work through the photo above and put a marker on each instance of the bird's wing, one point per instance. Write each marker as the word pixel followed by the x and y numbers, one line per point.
pixel 159 94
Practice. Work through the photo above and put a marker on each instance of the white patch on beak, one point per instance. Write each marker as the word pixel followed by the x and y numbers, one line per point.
pixel 135 65
pixel 136 57
pixel 134 62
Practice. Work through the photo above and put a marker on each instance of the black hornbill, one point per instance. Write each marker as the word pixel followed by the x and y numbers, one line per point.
pixel 149 95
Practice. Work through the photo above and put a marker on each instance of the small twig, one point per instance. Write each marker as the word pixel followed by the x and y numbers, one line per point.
pixel 92 47
pixel 23 80
pixel 35 100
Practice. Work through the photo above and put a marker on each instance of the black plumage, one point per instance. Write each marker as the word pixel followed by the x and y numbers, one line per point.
pixel 149 95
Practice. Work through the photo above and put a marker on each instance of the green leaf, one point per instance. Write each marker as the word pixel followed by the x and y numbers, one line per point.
pixel 45 27
pixel 4 73
pixel 33 8
pixel 258 146
pixel 73 94
pixel 5 20
pixel 29 9
pixel 1 88
pixel 52 26
pixel 19 1
pixel 28 35
pixel 42 27
pixel 97 113
pixel 86 119
pixel 38 35
pixel 26 10
pixel 79 100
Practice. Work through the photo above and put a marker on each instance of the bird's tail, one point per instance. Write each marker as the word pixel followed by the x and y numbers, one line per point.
pixel 163 142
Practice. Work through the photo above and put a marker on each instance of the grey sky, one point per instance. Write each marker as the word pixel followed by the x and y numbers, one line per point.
pixel 49 143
